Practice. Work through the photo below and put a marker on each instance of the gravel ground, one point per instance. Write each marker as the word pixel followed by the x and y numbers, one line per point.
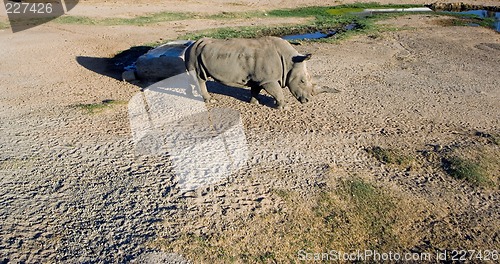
pixel 73 190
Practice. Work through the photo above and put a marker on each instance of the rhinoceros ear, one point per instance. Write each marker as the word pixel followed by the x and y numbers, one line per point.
pixel 301 58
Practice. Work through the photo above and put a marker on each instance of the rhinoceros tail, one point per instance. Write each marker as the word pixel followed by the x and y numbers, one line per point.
pixel 194 61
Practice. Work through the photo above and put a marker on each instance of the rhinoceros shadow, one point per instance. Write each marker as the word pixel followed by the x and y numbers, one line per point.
pixel 113 67
pixel 241 94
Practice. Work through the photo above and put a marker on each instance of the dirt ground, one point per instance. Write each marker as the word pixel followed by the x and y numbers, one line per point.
pixel 73 190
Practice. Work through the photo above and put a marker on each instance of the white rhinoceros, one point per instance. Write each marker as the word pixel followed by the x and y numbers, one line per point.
pixel 268 63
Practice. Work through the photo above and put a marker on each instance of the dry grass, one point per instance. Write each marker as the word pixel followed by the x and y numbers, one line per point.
pixel 476 164
pixel 353 215
pixel 391 156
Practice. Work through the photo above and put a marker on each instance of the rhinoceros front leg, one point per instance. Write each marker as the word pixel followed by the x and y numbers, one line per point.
pixel 275 90
pixel 255 94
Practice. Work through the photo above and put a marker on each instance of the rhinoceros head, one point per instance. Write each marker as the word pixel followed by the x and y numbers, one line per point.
pixel 301 84
pixel 299 80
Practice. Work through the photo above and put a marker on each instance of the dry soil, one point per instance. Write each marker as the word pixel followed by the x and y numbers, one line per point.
pixel 73 190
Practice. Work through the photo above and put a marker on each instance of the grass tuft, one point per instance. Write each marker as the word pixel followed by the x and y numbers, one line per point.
pixel 465 169
pixel 476 160
pixel 389 156
pixel 95 108
pixel 4 25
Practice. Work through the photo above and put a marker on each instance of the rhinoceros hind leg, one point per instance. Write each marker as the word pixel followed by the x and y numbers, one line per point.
pixel 275 90
pixel 204 92
pixel 254 101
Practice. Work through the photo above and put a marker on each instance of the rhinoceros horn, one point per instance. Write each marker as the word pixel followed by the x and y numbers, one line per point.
pixel 325 89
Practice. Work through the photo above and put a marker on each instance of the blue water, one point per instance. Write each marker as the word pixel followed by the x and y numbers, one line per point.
pixel 483 14
pixel 479 13
pixel 314 35
pixel 319 34
pixel 497 22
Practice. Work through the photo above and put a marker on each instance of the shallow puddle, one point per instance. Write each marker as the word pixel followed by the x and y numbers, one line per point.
pixel 482 14
pixel 314 35
pixel 319 34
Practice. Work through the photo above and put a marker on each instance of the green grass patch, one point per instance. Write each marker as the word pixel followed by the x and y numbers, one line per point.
pixel 95 108
pixel 322 25
pixel 233 32
pixel 313 11
pixel 476 160
pixel 374 5
pixel 320 13
pixel 469 170
pixel 340 10
pixel 235 15
pixel 137 21
pixel 78 20
pixel 390 156
pixel 325 19
pixel 4 25
pixel 350 9
pixel 344 11
pixel 255 32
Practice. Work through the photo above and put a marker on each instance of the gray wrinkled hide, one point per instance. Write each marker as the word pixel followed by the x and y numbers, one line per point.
pixel 268 63
pixel 235 62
